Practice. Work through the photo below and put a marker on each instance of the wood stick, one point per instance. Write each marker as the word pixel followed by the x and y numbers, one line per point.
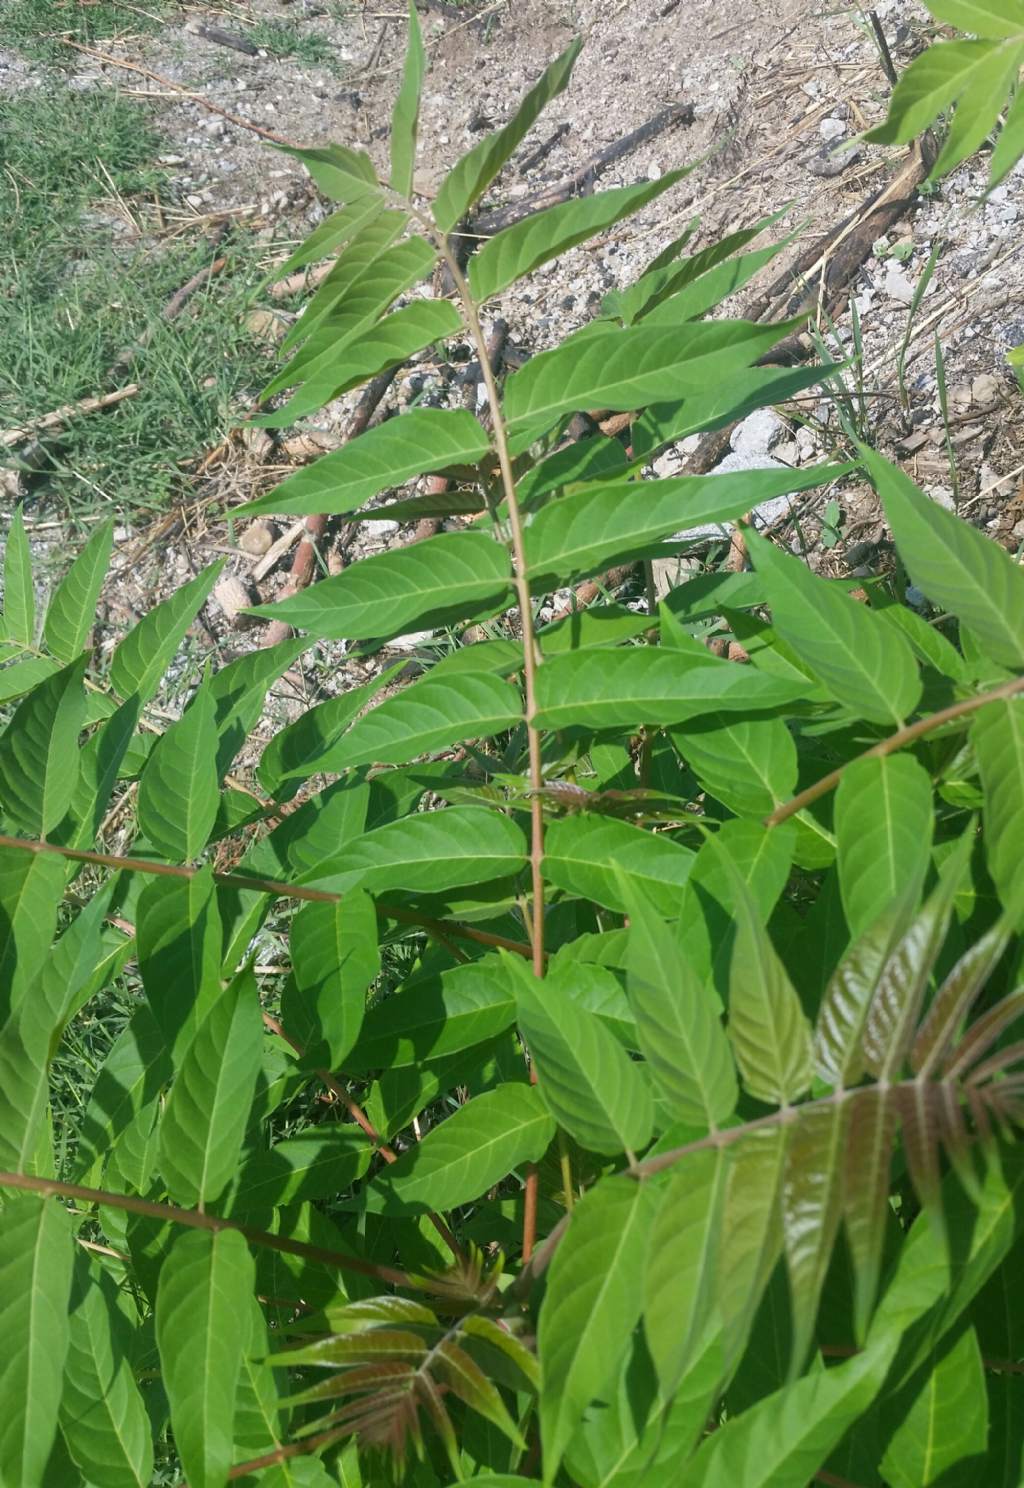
pixel 176 88
pixel 487 223
pixel 10 437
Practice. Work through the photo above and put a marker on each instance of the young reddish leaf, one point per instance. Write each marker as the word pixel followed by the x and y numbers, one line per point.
pixel 870 1130
pixel 896 1004
pixel 953 1002
pixel 839 1034
pixel 751 1232
pixel 466 1379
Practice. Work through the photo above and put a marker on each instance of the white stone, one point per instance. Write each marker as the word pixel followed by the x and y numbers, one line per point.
pixel 942 496
pixel 756 434
pixel 896 285
pixel 832 129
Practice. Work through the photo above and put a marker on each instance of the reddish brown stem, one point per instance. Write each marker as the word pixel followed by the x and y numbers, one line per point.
pixel 199 1221
pixel 894 742
pixel 267 886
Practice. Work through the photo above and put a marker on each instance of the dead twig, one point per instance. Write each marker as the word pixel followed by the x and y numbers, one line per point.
pixel 233 39
pixel 544 150
pixel 179 91
pixel 485 224
pixel 60 416
pixel 176 304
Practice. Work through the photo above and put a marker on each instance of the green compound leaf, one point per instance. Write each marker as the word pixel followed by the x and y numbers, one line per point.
pixel 625 369
pixel 72 610
pixel 471 176
pixel 865 664
pixel 436 1015
pixel 405 116
pixel 31 889
pixel 330 237
pixel 471 1150
pixel 954 564
pixel 588 1081
pixel 429 715
pixel 391 341
pixel 148 650
pixel 342 174
pixel 36 1256
pixel 39 759
pixel 203 1324
pixel 447 578
pixel 682 1263
pixel 593 1299
pixel 350 305
pixel 544 235
pixel 940 1416
pixel 132 1075
pixel 418 443
pixel 993 20
pixel 207 1111
pixel 427 853
pixel 335 959
pixel 102 1414
pixel 178 794
pixel 749 764
pixel 998 737
pixel 612 523
pixel 179 934
pixel 303 748
pixel 883 824
pixel 677 1020
pixel 318 1163
pixel 19 616
pixel 591 855
pixel 625 688
pixel 770 1035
